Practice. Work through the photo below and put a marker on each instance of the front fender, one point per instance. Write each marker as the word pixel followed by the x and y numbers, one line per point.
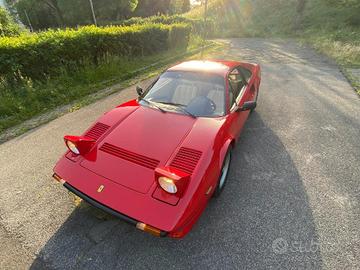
pixel 228 143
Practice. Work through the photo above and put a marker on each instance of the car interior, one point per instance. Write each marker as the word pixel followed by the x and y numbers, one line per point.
pixel 202 95
pixel 238 79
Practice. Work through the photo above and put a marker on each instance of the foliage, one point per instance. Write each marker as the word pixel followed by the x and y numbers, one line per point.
pixel 110 9
pixel 163 19
pixel 147 8
pixel 7 25
pixel 38 56
pixel 344 3
pixel 197 24
pixel 61 13
pixel 279 17
pixel 179 6
pixel 342 45
pixel 332 14
pixel 41 13
pixel 224 16
pixel 45 14
pixel 331 26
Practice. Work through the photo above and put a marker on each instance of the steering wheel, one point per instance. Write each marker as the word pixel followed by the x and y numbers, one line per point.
pixel 212 104
pixel 201 105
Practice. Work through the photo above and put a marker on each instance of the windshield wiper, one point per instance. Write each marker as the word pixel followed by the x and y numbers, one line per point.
pixel 179 106
pixel 152 103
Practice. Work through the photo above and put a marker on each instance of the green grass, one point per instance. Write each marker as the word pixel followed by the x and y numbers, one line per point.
pixel 246 18
pixel 341 45
pixel 355 82
pixel 27 100
pixel 34 97
pixel 334 31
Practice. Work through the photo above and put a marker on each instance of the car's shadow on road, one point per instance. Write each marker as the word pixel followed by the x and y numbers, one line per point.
pixel 262 220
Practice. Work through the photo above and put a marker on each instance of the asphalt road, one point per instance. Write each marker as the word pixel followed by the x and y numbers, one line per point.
pixel 291 201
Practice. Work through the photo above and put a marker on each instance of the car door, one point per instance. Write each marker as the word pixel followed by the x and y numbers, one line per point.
pixel 239 92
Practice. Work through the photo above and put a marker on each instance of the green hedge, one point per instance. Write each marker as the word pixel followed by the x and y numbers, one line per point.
pixel 38 56
pixel 163 19
pixel 197 24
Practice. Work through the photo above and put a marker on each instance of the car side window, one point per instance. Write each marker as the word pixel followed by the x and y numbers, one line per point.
pixel 231 96
pixel 236 84
pixel 246 73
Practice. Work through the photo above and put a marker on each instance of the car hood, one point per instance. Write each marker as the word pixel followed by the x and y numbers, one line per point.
pixel 138 144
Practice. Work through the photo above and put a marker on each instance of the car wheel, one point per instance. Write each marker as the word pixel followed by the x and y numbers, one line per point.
pixel 223 174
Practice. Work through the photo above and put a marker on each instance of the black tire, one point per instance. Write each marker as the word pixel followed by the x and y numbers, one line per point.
pixel 223 174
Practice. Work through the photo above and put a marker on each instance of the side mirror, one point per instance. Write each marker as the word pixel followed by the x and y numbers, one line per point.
pixel 139 90
pixel 248 105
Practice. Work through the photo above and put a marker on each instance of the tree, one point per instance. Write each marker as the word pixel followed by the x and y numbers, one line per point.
pixel 148 8
pixel 300 8
pixel 179 6
pixel 350 9
pixel 41 13
pixel 60 13
pixel 7 25
pixel 54 6
pixel 345 3
pixel 185 6
pixel 76 12
pixel 109 10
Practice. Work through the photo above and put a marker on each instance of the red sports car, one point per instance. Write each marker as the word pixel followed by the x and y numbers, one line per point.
pixel 155 161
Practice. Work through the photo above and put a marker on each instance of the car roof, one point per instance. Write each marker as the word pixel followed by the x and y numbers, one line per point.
pixel 220 67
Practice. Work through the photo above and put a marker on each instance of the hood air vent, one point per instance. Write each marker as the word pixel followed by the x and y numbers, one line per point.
pixel 129 156
pixel 186 160
pixel 96 131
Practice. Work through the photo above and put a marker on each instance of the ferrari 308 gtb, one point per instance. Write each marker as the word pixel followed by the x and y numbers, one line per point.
pixel 155 161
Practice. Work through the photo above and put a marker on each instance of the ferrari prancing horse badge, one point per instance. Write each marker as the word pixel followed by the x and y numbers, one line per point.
pixel 100 189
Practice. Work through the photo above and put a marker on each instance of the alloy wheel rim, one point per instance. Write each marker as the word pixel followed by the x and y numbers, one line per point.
pixel 224 171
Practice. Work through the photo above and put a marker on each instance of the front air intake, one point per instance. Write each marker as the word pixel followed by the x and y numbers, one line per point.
pixel 186 160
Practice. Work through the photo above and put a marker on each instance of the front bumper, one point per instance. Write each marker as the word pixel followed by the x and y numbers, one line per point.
pixel 142 208
pixel 110 211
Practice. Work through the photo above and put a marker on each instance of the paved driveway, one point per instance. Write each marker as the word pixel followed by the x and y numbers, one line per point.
pixel 292 198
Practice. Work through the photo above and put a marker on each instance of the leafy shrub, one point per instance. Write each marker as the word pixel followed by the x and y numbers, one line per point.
pixel 37 56
pixel 179 37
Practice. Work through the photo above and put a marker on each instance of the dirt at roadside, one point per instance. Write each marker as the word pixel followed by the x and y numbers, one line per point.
pixel 14 249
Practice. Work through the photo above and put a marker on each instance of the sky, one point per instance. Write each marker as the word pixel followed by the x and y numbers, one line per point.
pixel 2 3
pixel 191 1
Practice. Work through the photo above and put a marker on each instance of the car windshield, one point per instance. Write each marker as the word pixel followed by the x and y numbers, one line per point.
pixel 194 93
